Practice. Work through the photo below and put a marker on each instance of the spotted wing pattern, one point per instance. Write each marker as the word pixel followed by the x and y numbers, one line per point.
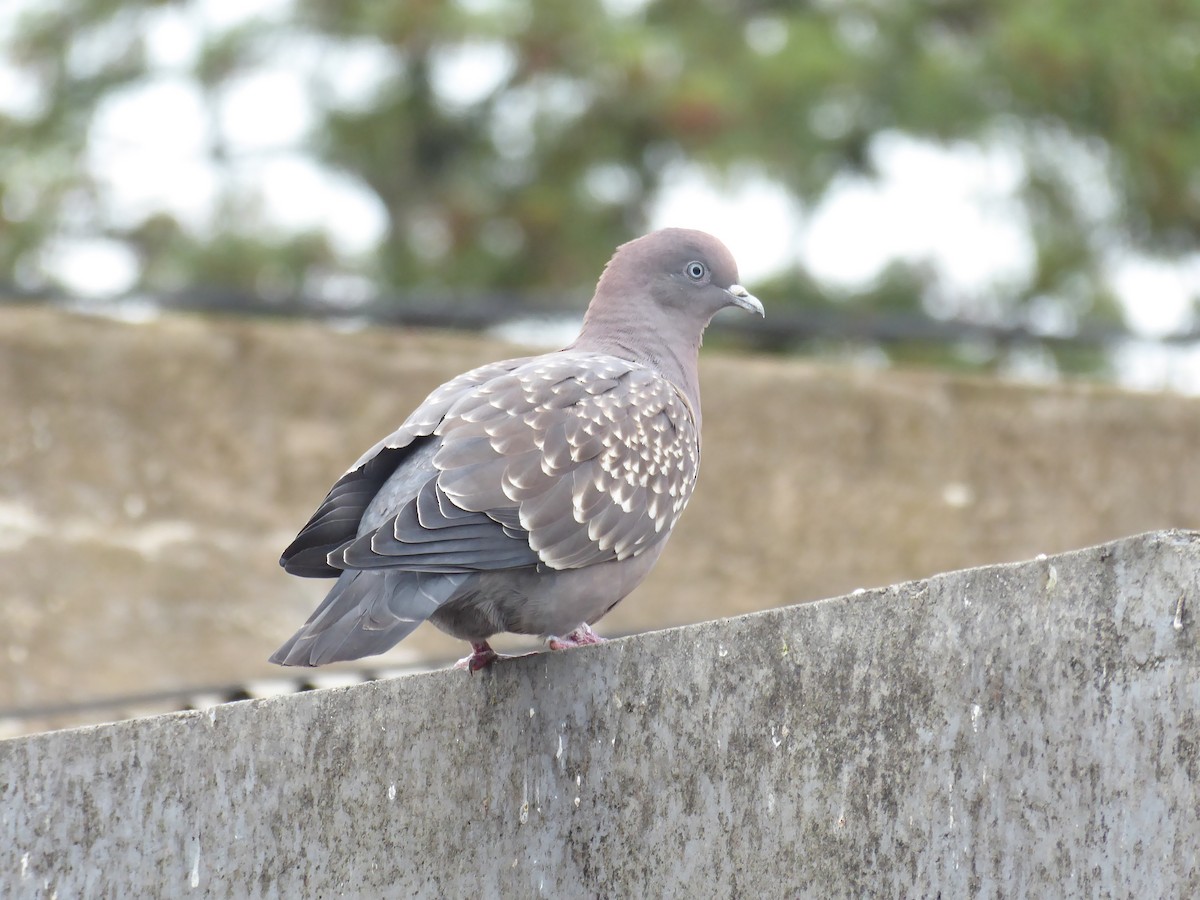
pixel 592 457
pixel 562 461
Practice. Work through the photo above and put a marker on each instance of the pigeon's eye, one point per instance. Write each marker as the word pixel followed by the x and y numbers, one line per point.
pixel 695 270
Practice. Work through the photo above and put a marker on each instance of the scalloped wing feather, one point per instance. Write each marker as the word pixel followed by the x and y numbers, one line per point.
pixel 339 518
pixel 613 462
pixel 567 461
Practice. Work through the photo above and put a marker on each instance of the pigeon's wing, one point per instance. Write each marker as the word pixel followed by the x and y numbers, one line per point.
pixel 338 519
pixel 567 461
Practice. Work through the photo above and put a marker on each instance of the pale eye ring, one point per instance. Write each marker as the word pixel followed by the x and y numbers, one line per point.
pixel 695 270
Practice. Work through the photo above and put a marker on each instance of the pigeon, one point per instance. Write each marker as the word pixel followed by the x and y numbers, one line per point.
pixel 530 495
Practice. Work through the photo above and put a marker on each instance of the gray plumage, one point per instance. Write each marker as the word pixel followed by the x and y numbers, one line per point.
pixel 529 495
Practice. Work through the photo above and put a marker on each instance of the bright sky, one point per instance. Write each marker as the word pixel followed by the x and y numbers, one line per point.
pixel 952 208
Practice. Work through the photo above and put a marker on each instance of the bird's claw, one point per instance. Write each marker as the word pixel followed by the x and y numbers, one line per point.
pixel 482 656
pixel 580 637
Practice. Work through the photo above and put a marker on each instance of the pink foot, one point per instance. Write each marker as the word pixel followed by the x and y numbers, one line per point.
pixel 580 637
pixel 481 657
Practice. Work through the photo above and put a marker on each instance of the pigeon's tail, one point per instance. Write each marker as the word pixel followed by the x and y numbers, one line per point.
pixel 366 613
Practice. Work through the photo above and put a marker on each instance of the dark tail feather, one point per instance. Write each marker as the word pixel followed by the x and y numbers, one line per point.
pixel 366 613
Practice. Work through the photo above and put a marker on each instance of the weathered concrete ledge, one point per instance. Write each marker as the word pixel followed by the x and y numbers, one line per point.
pixel 1019 730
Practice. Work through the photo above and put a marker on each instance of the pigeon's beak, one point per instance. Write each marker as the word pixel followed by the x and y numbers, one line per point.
pixel 743 299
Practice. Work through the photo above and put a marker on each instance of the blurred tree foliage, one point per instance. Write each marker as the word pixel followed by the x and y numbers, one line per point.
pixel 513 143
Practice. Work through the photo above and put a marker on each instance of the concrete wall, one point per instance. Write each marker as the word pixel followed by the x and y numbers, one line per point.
pixel 169 462
pixel 1027 730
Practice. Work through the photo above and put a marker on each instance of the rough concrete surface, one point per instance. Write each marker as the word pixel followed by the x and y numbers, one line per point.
pixel 1024 730
pixel 151 473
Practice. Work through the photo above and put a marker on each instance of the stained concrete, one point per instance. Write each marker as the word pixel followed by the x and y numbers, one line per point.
pixel 1025 730
pixel 150 474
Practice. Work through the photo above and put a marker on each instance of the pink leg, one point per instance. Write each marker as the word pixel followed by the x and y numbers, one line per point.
pixel 482 656
pixel 580 637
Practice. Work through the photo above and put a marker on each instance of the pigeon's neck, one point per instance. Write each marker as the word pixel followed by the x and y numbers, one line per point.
pixel 647 344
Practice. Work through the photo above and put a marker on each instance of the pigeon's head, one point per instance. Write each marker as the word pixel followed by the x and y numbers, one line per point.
pixel 656 297
pixel 688 274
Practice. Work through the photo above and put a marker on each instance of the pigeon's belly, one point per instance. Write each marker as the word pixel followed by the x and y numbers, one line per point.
pixel 524 601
